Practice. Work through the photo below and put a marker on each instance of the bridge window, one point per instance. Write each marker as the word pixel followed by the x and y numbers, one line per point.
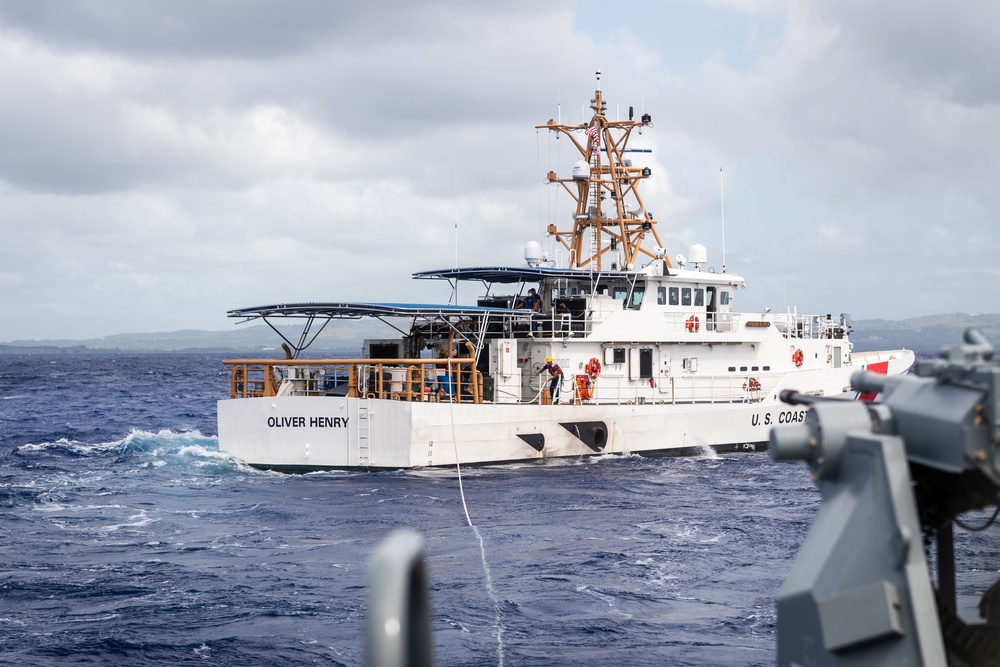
pixel 675 297
pixel 637 293
pixel 661 295
pixel 699 296
pixel 686 296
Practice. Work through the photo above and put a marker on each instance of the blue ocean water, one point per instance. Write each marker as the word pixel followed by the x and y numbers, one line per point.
pixel 127 537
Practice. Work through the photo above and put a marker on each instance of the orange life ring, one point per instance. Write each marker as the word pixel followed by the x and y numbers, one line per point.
pixel 797 357
pixel 594 367
pixel 693 324
pixel 752 384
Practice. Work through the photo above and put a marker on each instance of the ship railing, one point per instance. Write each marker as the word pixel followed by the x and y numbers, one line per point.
pixel 555 325
pixel 681 324
pixel 811 327
pixel 454 379
pixel 686 323
pixel 743 388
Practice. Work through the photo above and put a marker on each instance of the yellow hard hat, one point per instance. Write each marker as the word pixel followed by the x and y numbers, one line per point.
pixel 548 360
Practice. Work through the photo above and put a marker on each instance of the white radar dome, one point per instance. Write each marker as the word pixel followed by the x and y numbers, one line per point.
pixel 697 254
pixel 581 170
pixel 533 252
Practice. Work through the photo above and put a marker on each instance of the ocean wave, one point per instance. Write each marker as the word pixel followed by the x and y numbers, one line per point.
pixel 136 440
pixel 612 456
pixel 141 448
pixel 70 446
pixel 150 441
pixel 200 451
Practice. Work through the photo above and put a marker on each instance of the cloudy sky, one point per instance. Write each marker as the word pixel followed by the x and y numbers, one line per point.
pixel 164 161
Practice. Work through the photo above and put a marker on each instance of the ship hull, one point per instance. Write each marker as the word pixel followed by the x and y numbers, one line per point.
pixel 310 433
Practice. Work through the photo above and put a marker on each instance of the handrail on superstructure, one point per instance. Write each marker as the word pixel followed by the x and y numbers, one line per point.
pixel 373 378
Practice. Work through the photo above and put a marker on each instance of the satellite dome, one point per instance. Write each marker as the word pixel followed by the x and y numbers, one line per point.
pixel 697 254
pixel 533 253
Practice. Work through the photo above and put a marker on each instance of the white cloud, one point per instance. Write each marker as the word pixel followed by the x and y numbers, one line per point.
pixel 158 172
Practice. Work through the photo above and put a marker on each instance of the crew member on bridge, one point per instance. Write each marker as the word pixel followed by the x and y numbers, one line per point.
pixel 565 318
pixel 533 302
pixel 555 375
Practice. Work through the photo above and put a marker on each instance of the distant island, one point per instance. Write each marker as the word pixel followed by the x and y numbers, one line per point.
pixel 340 338
pixel 922 334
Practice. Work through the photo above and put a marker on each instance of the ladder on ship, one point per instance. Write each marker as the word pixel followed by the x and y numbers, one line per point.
pixel 594 206
pixel 364 432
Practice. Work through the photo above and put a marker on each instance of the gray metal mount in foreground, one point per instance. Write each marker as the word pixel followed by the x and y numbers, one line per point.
pixel 398 629
pixel 894 476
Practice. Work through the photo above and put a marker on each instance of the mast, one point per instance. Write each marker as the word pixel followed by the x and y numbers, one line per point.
pixel 610 216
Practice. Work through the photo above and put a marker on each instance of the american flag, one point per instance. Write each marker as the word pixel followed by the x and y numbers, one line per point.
pixel 594 134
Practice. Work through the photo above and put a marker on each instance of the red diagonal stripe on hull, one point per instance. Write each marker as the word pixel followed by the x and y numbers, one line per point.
pixel 879 367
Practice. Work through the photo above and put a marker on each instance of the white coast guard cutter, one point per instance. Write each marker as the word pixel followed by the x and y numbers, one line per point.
pixel 655 360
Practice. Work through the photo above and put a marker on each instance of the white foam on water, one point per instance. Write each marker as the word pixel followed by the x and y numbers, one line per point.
pixel 164 438
pixel 138 520
pixel 90 619
pixel 705 450
pixel 200 451
pixel 136 439
pixel 457 624
pixel 619 441
pixel 71 445
pixel 50 507
pixel 609 600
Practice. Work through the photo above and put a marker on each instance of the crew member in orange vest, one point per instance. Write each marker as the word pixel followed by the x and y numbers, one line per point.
pixel 556 375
